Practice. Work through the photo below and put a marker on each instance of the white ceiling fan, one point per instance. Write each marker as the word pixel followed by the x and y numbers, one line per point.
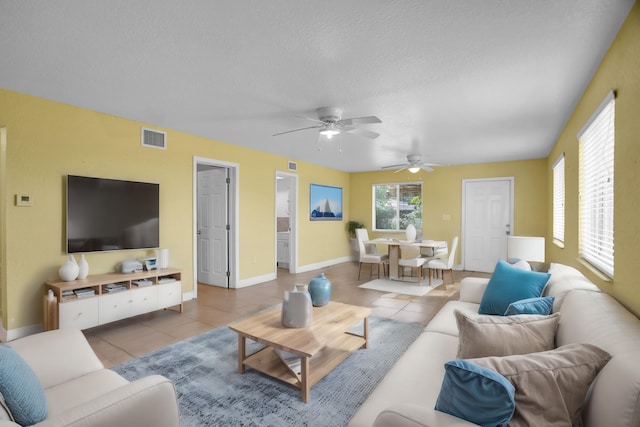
pixel 414 164
pixel 331 123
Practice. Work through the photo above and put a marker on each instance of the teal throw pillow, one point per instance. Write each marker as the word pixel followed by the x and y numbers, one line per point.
pixel 21 388
pixel 476 394
pixel 542 305
pixel 510 284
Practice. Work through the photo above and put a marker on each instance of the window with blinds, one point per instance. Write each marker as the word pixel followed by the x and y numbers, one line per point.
pixel 596 152
pixel 558 199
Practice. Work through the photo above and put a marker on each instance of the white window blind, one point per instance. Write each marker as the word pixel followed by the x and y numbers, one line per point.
pixel 558 199
pixel 596 149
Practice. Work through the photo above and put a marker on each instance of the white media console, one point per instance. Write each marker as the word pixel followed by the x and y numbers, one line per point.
pixel 105 298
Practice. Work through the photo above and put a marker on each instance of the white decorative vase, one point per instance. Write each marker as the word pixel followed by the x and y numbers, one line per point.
pixel 411 232
pixel 83 268
pixel 69 270
pixel 163 258
pixel 297 309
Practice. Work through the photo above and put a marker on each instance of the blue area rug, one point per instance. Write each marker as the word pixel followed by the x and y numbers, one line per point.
pixel 211 392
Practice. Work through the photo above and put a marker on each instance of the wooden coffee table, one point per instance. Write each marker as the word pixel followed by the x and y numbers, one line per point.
pixel 319 347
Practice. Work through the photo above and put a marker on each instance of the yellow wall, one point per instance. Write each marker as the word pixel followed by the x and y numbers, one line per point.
pixel 619 70
pixel 442 194
pixel 48 140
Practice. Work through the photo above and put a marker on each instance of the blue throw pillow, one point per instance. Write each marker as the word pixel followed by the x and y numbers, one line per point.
pixel 21 388
pixel 476 394
pixel 542 305
pixel 510 284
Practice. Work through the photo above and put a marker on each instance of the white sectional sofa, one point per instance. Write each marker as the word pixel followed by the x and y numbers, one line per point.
pixel 79 391
pixel 408 393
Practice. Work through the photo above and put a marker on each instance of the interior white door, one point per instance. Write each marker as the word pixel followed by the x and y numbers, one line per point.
pixel 213 233
pixel 488 218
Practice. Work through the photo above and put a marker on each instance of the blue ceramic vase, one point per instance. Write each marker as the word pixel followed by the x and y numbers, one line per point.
pixel 320 290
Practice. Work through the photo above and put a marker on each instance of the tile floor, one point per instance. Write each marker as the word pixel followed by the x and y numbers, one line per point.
pixel 119 341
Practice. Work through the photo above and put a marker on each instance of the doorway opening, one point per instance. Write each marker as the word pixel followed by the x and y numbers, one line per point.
pixel 215 223
pixel 286 221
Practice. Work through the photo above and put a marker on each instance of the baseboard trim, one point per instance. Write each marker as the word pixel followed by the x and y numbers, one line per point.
pixel 14 334
pixel 256 280
pixel 323 264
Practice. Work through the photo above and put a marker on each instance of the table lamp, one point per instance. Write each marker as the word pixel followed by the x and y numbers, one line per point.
pixel 525 248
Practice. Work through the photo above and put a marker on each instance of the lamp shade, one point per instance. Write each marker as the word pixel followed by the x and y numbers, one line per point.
pixel 525 248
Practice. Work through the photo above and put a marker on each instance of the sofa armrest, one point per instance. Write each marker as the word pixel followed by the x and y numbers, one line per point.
pixel 7 423
pixel 148 402
pixel 412 415
pixel 472 289
pixel 57 356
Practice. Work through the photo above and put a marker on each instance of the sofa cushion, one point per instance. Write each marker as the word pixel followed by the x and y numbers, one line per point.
pixel 501 336
pixel 82 389
pixel 445 321
pixel 476 394
pixel 563 280
pixel 597 318
pixel 509 284
pixel 541 305
pixel 21 388
pixel 550 386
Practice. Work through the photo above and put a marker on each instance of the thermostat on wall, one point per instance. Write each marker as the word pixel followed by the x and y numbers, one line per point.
pixel 23 200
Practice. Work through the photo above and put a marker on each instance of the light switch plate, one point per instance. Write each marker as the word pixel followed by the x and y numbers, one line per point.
pixel 23 200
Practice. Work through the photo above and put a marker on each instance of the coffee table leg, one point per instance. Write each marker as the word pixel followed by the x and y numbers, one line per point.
pixel 304 375
pixel 366 332
pixel 242 349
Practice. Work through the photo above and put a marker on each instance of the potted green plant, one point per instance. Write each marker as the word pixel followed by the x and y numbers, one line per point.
pixel 352 226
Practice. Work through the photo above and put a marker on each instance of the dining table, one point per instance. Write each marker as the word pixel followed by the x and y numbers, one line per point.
pixel 394 250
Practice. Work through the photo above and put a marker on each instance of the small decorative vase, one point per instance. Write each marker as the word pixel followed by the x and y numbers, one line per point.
pixel 411 232
pixel 320 290
pixel 83 268
pixel 296 308
pixel 69 270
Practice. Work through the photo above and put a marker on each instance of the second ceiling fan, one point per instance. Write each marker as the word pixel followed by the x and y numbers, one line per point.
pixel 331 123
pixel 414 164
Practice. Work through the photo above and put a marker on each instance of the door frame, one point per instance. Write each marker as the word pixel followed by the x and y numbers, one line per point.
pixel 464 210
pixel 234 218
pixel 293 221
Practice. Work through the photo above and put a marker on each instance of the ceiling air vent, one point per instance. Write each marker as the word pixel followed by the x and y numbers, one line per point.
pixel 154 138
pixel 293 166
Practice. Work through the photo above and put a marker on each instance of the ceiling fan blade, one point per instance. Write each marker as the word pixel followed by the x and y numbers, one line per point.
pixel 395 166
pixel 296 130
pixel 310 119
pixel 362 132
pixel 360 120
pixel 400 170
pixel 426 168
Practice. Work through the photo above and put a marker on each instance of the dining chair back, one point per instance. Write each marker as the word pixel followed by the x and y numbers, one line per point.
pixel 368 253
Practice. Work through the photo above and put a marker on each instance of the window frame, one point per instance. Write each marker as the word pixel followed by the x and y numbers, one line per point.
pixel 373 205
pixel 596 179
pixel 558 200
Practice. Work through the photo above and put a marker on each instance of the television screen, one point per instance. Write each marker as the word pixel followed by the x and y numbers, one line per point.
pixel 109 214
pixel 325 203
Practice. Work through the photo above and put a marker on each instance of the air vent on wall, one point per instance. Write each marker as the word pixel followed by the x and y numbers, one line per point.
pixel 293 166
pixel 154 138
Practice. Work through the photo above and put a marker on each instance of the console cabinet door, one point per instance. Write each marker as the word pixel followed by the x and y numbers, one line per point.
pixel 169 294
pixel 144 300
pixel 79 314
pixel 114 306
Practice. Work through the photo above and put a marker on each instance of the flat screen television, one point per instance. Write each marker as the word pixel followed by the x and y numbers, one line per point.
pixel 110 214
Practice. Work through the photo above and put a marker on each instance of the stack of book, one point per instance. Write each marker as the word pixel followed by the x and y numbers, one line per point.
pixel 84 292
pixel 143 282
pixel 67 294
pixel 114 287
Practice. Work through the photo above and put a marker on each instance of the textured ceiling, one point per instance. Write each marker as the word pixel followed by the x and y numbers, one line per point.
pixel 456 81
